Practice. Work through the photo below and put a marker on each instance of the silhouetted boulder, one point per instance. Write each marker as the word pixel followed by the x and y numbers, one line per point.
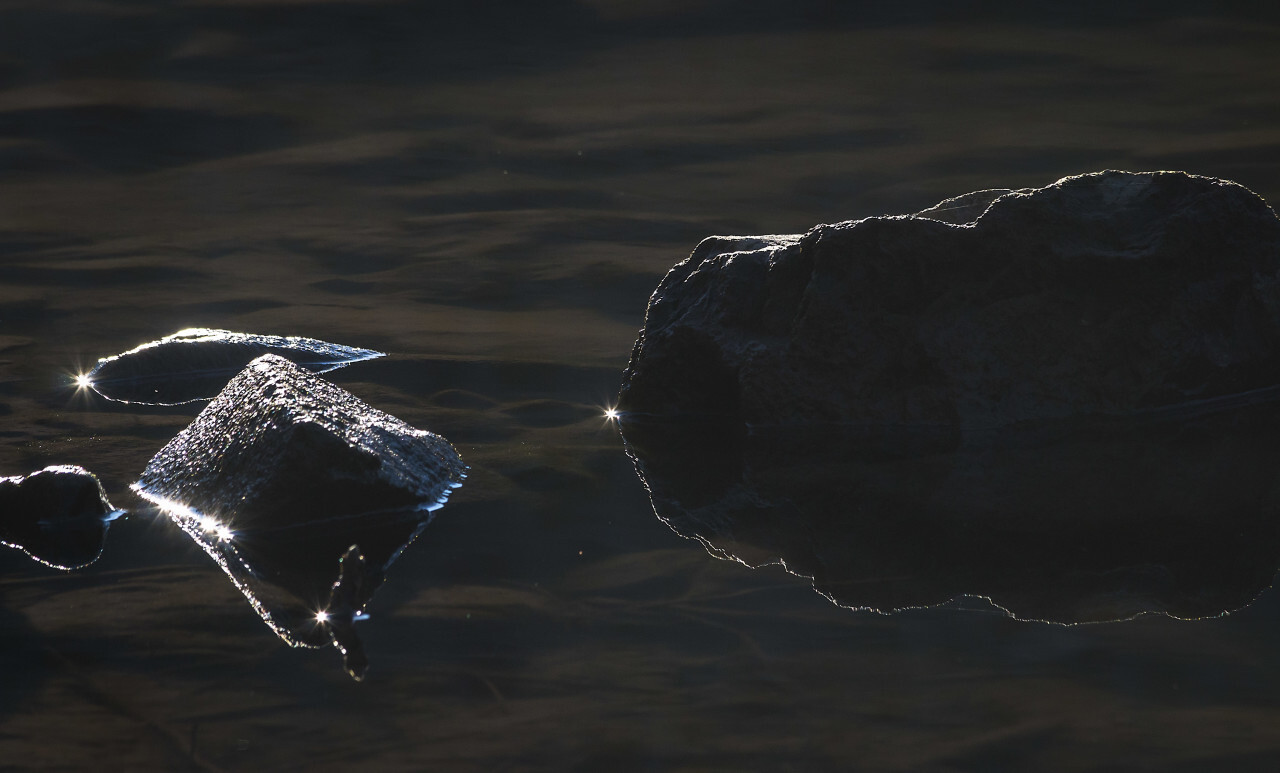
pixel 58 516
pixel 1065 400
pixel 1107 293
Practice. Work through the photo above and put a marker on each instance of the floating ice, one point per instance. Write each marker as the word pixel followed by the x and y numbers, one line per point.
pixel 195 363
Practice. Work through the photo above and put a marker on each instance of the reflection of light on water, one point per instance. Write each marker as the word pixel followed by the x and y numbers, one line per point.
pixel 215 527
pixel 323 616
pixel 222 550
pixel 188 519
pixel 80 383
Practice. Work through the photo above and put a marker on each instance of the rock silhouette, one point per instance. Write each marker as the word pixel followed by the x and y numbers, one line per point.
pixel 58 516
pixel 1106 293
pixel 1064 400
pixel 303 494
pixel 194 364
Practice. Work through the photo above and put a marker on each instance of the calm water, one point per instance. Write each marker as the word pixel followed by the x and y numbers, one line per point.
pixel 489 197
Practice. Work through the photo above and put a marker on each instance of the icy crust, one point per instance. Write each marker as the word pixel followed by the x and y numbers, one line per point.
pixel 193 364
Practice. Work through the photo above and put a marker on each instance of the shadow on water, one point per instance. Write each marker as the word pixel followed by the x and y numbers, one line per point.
pixel 23 659
pixel 121 139
pixel 423 43
pixel 1067 521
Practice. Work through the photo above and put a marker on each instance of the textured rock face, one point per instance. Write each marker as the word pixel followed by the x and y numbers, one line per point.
pixel 58 516
pixel 281 445
pixel 301 493
pixel 1109 293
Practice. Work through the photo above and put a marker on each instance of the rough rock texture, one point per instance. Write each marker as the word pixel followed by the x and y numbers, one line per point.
pixel 282 445
pixel 58 516
pixel 194 364
pixel 299 490
pixel 1107 293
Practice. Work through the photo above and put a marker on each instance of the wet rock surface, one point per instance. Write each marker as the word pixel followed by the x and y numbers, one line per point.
pixel 1107 293
pixel 303 494
pixel 1060 521
pixel 58 516
pixel 195 364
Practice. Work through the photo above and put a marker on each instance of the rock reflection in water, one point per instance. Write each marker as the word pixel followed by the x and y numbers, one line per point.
pixel 1065 521
pixel 304 495
pixel 58 516
pixel 194 364
pixel 309 581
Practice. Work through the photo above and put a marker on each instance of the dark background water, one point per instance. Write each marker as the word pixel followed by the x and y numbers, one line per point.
pixel 489 192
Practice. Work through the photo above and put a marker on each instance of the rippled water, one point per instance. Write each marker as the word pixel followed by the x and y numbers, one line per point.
pixel 489 197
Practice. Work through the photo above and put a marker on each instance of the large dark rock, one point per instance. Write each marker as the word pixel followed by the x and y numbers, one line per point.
pixel 1065 400
pixel 58 516
pixel 1108 293
pixel 303 494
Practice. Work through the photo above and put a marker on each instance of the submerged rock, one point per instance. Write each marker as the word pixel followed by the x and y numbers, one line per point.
pixel 303 494
pixel 1063 521
pixel 1106 293
pixel 58 516
pixel 194 364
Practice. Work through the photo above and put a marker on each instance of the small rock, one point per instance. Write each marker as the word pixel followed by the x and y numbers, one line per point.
pixel 298 490
pixel 58 516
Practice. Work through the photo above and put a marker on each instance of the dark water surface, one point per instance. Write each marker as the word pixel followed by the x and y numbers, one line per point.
pixel 488 193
